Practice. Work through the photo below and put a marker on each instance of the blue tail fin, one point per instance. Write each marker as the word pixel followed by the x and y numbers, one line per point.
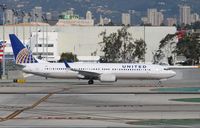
pixel 21 53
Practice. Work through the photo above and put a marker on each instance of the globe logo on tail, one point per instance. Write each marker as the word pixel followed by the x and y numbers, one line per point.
pixel 24 56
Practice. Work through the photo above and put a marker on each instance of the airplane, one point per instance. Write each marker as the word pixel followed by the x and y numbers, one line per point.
pixel 104 72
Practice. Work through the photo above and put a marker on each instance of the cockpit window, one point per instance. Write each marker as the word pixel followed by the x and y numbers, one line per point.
pixel 166 69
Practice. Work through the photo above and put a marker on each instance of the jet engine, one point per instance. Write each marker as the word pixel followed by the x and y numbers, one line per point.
pixel 108 78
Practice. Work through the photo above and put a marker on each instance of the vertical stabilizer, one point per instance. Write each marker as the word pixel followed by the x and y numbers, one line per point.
pixel 21 53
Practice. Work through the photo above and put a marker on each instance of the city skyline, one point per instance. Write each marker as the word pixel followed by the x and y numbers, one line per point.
pixel 158 16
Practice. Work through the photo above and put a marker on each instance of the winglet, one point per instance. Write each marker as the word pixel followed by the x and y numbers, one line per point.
pixel 66 64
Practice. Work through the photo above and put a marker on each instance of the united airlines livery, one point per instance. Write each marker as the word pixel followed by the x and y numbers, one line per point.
pixel 104 72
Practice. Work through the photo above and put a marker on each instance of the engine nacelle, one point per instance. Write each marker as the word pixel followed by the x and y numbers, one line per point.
pixel 108 78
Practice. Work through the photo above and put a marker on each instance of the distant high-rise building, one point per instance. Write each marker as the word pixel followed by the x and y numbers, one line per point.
pixel 194 17
pixel 88 15
pixel 9 17
pixel 160 18
pixel 101 20
pixel 69 14
pixel 104 21
pixel 152 16
pixel 37 14
pixel 144 20
pixel 68 18
pixel 48 16
pixel 185 14
pixel 155 18
pixel 171 21
pixel 26 18
pixel 126 19
pixel 70 11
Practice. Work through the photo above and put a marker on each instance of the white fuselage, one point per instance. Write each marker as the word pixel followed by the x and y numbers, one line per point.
pixel 120 71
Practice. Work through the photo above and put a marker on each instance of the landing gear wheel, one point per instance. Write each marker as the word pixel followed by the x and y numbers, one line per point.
pixel 90 82
pixel 159 83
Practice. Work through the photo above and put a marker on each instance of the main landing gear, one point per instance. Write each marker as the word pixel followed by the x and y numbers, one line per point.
pixel 91 82
pixel 160 82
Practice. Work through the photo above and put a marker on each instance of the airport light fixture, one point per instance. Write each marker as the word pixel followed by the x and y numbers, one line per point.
pixel 46 21
pixel 23 15
pixel 43 18
pixel 15 14
pixel 3 7
pixel 13 10
pixel 30 30
pixel 47 41
pixel 36 20
pixel 30 16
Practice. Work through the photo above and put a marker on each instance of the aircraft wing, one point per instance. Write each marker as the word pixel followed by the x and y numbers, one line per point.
pixel 183 67
pixel 86 74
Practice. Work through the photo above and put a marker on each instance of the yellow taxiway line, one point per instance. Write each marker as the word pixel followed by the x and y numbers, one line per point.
pixel 17 112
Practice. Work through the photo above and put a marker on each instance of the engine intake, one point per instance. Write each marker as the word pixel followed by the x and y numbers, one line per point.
pixel 108 78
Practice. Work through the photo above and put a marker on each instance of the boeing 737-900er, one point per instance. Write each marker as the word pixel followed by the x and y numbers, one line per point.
pixel 104 72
